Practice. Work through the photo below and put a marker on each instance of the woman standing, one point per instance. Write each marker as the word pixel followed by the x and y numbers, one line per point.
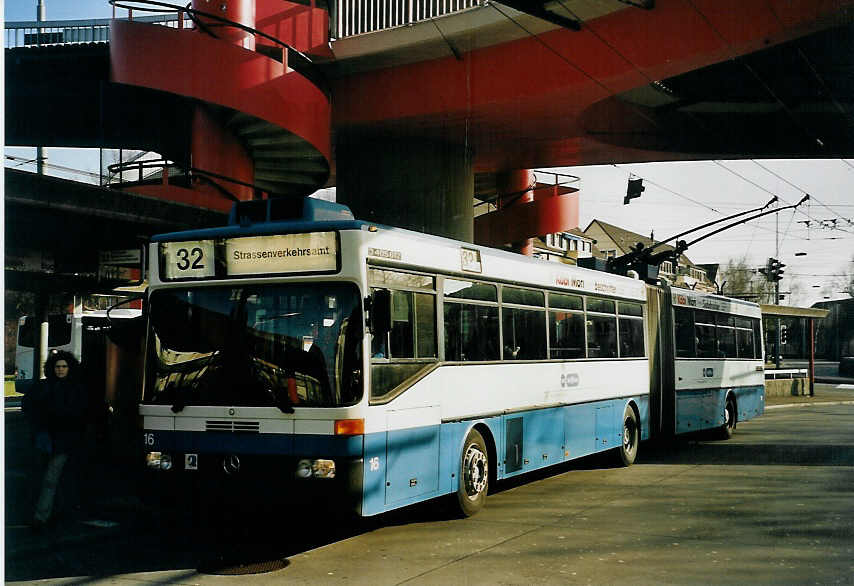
pixel 57 410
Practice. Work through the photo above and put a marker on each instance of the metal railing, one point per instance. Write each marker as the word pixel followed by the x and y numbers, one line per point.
pixel 69 32
pixel 347 18
pixel 357 17
pixel 785 373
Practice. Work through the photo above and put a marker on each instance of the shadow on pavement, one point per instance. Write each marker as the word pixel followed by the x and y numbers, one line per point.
pixel 700 452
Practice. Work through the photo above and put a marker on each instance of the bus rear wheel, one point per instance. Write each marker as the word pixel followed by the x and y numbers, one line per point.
pixel 726 430
pixel 628 449
pixel 474 475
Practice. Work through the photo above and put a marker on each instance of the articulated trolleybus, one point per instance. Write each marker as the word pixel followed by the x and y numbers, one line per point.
pixel 381 367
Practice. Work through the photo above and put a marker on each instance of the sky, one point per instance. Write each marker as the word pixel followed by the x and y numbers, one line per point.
pixel 677 196
pixel 17 10
pixel 682 195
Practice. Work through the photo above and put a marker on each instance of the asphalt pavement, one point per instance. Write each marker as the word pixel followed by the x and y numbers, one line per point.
pixel 114 537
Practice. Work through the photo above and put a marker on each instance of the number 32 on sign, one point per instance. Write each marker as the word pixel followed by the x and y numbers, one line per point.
pixel 188 260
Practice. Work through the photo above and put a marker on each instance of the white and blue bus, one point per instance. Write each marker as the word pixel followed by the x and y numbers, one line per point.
pixel 384 367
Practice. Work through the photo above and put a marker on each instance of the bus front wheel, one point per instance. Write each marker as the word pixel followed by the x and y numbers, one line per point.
pixel 474 475
pixel 628 449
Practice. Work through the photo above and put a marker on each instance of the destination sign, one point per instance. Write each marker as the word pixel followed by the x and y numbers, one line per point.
pixel 249 255
pixel 282 253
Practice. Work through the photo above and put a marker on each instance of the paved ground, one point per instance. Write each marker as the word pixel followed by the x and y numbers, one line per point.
pixel 772 505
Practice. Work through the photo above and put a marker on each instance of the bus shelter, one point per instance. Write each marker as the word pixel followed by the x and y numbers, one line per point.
pixel 790 335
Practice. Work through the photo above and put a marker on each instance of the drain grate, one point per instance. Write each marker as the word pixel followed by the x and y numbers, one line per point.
pixel 232 567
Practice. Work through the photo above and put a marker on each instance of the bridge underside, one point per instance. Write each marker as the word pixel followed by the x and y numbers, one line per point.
pixel 63 225
pixel 729 79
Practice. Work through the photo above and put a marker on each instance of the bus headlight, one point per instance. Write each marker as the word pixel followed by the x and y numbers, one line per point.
pixel 158 461
pixel 303 469
pixel 315 469
pixel 323 469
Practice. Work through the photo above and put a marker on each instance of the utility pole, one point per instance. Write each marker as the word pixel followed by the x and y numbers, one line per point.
pixel 777 290
pixel 40 16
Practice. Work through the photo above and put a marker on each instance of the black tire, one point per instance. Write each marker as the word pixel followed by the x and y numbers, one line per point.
pixel 474 475
pixel 726 430
pixel 629 438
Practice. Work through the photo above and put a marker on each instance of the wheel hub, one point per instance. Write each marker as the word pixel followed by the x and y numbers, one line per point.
pixel 475 471
pixel 628 435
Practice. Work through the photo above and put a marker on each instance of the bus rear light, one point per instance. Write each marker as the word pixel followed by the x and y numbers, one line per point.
pixel 349 427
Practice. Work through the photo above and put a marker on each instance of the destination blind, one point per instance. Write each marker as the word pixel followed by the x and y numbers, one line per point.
pixel 250 255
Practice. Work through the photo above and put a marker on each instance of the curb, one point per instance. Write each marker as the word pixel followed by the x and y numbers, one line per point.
pixel 815 404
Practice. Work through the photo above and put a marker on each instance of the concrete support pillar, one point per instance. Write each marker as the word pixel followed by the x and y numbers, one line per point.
pixel 516 188
pixel 409 183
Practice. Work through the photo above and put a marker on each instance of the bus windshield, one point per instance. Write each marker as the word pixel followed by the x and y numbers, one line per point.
pixel 283 345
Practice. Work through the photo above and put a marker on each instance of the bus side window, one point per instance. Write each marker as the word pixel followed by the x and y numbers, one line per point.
pixel 684 328
pixel 744 337
pixel 471 332
pixel 704 330
pixel 413 327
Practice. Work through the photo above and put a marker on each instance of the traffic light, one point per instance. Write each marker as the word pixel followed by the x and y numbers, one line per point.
pixel 634 190
pixel 784 333
pixel 775 269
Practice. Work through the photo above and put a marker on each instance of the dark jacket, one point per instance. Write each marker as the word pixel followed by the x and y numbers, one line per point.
pixel 58 408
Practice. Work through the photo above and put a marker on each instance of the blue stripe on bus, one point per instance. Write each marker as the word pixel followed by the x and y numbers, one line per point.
pixel 258 443
pixel 407 466
pixel 699 409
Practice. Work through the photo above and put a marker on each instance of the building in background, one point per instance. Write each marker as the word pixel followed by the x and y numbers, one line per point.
pixel 566 247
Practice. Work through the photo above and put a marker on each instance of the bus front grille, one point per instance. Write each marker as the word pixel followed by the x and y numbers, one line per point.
pixel 232 426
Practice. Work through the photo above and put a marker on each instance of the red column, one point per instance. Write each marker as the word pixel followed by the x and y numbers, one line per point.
pixel 517 188
pixel 240 11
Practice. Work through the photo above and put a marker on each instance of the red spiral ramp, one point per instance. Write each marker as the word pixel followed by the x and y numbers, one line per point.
pixel 258 125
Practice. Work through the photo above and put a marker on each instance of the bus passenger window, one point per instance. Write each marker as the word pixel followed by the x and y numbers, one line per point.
pixel 524 334
pixel 726 336
pixel 684 328
pixel 744 337
pixel 413 330
pixel 601 336
pixel 704 332
pixel 400 337
pixel 425 325
pixel 631 337
pixel 566 334
pixel 471 332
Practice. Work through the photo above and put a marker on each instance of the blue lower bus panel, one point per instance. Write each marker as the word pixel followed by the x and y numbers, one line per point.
pixel 701 409
pixel 403 467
